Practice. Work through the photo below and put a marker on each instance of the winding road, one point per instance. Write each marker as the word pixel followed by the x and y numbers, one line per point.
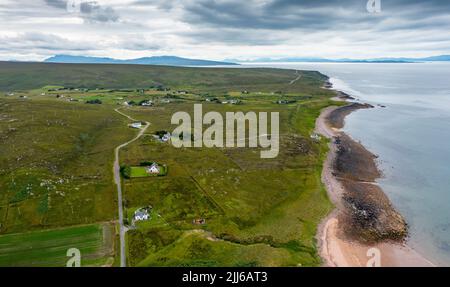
pixel 296 79
pixel 117 181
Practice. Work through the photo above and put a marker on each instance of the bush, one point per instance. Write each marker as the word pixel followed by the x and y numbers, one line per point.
pixel 125 171
pixel 94 102
pixel 161 133
pixel 146 163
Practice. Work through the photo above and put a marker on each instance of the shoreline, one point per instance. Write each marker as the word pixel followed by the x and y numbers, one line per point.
pixel 337 247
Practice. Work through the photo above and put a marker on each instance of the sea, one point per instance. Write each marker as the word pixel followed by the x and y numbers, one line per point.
pixel 409 129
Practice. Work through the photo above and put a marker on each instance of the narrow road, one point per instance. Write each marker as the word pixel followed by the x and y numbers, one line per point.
pixel 296 79
pixel 117 181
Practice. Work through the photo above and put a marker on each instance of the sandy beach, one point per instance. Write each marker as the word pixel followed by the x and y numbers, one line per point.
pixel 337 248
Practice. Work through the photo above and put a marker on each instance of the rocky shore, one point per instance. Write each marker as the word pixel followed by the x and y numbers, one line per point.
pixel 368 214
pixel 364 217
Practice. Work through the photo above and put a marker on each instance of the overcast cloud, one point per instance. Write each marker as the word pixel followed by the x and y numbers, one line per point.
pixel 220 29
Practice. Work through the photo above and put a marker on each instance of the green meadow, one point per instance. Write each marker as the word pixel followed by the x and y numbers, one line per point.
pixel 256 210
pixel 57 155
pixel 141 171
pixel 56 162
pixel 49 248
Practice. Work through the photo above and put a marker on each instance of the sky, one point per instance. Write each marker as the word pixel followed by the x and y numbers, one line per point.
pixel 32 30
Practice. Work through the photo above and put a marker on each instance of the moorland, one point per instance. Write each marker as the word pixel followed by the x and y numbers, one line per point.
pixel 214 207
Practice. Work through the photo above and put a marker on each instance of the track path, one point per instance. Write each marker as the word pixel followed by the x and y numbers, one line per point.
pixel 118 182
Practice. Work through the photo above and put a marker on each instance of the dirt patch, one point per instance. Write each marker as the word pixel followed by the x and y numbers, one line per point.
pixel 294 145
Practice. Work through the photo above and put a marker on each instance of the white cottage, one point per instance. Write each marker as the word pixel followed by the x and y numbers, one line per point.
pixel 154 169
pixel 141 215
pixel 136 125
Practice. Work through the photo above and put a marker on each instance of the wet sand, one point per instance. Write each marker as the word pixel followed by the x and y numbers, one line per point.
pixel 364 223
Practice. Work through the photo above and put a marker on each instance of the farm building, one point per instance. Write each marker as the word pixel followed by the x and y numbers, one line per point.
pixel 154 169
pixel 146 103
pixel 166 137
pixel 200 221
pixel 141 215
pixel 136 125
pixel 315 137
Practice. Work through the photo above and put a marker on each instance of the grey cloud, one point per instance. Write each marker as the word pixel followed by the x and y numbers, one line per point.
pixel 28 43
pixel 306 14
pixel 235 18
pixel 273 15
pixel 96 13
pixel 287 25
pixel 161 4
pixel 62 4
pixel 90 11
pixel 49 44
pixel 233 37
pixel 139 43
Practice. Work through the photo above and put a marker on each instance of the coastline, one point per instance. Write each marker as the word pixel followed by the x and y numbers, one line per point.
pixel 344 241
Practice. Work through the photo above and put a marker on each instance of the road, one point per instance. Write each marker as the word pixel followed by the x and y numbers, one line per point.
pixel 296 79
pixel 117 181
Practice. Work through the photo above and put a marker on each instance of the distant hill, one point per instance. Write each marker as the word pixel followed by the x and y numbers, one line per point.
pixel 442 58
pixel 162 60
pixel 19 76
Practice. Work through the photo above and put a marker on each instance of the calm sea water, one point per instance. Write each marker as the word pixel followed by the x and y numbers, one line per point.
pixel 411 136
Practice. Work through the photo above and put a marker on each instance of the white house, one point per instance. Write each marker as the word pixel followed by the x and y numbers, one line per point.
pixel 315 137
pixel 147 104
pixel 166 137
pixel 234 102
pixel 141 215
pixel 154 169
pixel 136 125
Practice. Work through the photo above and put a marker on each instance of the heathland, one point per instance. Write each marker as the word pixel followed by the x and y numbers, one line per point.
pixel 215 207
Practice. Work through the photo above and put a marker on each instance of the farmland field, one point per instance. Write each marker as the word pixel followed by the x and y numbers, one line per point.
pixel 258 212
pixel 56 163
pixel 141 171
pixel 216 206
pixel 49 248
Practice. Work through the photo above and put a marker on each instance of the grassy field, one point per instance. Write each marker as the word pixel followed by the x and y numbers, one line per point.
pixel 29 76
pixel 57 153
pixel 258 212
pixel 255 209
pixel 55 163
pixel 141 171
pixel 49 248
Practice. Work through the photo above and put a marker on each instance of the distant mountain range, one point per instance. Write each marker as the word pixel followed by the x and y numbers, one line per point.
pixel 162 60
pixel 443 58
pixel 178 61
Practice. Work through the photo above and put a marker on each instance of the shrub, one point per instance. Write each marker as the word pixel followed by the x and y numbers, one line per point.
pixel 94 102
pixel 125 171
